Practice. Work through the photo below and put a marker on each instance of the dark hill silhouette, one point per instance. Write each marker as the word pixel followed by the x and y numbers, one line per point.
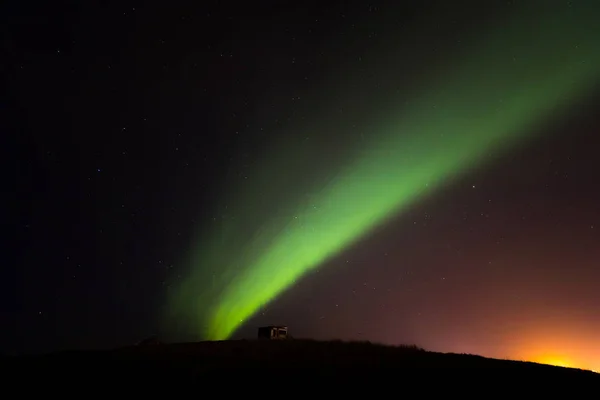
pixel 293 359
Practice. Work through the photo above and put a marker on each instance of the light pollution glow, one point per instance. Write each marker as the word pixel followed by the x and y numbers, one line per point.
pixel 563 349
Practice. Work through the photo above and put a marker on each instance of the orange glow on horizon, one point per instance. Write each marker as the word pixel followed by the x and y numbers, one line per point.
pixel 561 340
pixel 556 361
pixel 562 350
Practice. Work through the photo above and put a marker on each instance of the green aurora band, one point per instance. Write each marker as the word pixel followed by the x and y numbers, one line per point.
pixel 516 77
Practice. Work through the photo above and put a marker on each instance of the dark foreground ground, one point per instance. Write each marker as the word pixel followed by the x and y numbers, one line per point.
pixel 303 361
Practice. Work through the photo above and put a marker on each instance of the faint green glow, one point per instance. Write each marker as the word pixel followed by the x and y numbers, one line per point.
pixel 513 80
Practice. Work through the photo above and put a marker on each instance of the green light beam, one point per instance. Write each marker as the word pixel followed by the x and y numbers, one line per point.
pixel 514 79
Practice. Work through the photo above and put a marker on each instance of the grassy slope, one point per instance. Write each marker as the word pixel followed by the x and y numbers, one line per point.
pixel 331 359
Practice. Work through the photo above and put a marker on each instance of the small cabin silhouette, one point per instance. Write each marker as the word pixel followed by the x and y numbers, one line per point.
pixel 273 332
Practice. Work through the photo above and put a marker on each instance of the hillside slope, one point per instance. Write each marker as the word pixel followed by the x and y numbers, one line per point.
pixel 312 359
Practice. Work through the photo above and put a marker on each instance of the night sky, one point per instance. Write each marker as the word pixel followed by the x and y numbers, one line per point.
pixel 418 172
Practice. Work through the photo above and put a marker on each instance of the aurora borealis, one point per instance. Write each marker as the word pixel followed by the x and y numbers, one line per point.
pixel 513 77
pixel 398 172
